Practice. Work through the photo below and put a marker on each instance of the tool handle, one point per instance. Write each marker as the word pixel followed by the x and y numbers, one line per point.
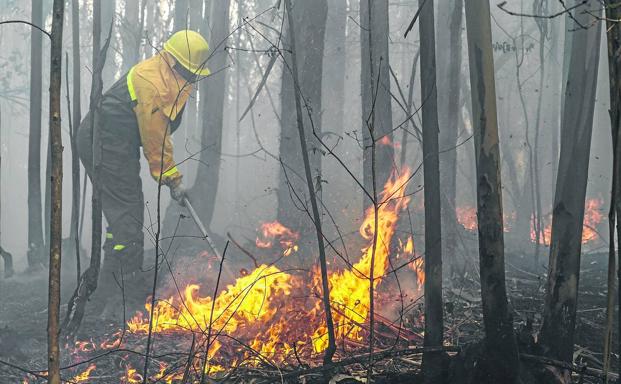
pixel 201 227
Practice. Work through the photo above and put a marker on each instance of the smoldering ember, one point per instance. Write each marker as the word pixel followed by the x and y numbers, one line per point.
pixel 310 191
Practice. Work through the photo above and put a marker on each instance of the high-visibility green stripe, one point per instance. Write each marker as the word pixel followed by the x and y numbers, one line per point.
pixel 170 172
pixel 109 235
pixel 130 85
pixel 119 247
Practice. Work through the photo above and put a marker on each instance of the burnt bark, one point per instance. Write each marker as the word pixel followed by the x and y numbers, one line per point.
pixel 500 341
pixel 35 215
pixel 557 335
pixel 55 239
pixel 432 361
pixel 376 99
pixel 309 21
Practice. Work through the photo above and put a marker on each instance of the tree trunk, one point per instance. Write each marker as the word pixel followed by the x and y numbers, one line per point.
pixel 132 33
pixel 95 96
pixel 500 339
pixel 108 14
pixel 53 318
pixel 293 199
pixel 614 72
pixel 214 95
pixel 375 85
pixel 432 361
pixel 557 335
pixel 334 61
pixel 450 13
pixel 329 352
pixel 35 217
pixel 182 15
pixel 76 118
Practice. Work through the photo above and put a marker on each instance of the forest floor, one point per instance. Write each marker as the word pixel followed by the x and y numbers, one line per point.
pixel 23 317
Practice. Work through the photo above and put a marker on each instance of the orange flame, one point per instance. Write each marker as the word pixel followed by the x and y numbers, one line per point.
pixel 84 375
pixel 417 264
pixel 592 217
pixel 107 344
pixel 271 231
pixel 349 289
pixel 258 305
pixel 85 346
pixel 467 217
pixel 132 376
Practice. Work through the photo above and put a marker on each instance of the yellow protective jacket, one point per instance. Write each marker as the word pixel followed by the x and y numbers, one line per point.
pixel 159 94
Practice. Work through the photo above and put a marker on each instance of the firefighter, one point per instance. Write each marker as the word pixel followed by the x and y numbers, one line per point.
pixel 142 109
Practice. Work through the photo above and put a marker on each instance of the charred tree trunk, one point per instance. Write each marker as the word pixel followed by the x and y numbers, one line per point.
pixel 557 335
pixel 309 21
pixel 500 341
pixel 434 326
pixel 35 216
pixel 450 13
pixel 76 118
pixel 614 215
pixel 376 99
pixel 53 319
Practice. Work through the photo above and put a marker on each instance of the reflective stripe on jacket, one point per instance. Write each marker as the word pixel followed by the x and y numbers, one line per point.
pixel 159 94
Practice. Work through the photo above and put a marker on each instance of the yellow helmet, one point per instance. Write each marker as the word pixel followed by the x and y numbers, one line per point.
pixel 190 49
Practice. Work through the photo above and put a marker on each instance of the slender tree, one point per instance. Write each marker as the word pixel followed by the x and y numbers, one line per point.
pixel 376 99
pixel 449 53
pixel 432 361
pixel 500 342
pixel 131 28
pixel 335 71
pixel 214 91
pixel 76 118
pixel 329 352
pixel 108 11
pixel 614 72
pixel 293 200
pixel 182 15
pixel 557 334
pixel 53 319
pixel 35 217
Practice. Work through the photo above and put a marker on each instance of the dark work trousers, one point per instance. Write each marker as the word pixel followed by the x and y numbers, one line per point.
pixel 121 192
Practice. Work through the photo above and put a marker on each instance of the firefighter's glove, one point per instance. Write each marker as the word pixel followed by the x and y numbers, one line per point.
pixel 178 193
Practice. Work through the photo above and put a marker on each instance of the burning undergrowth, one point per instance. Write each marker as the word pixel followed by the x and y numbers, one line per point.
pixel 267 316
pixel 593 215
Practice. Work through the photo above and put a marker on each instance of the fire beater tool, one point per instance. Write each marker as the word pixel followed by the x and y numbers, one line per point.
pixel 202 228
